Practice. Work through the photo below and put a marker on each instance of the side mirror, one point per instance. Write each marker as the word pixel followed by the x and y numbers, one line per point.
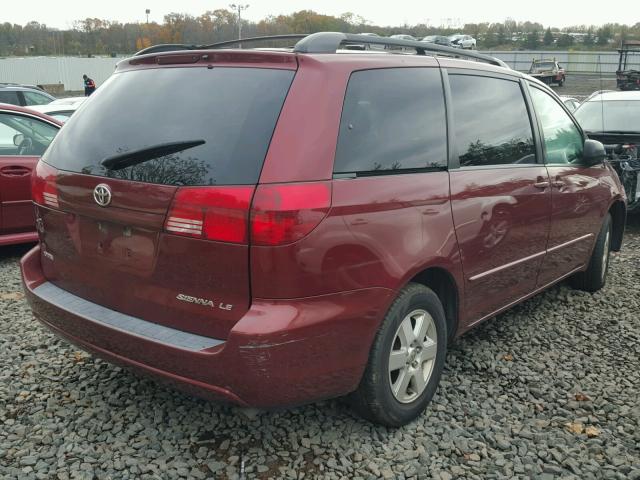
pixel 593 153
pixel 18 138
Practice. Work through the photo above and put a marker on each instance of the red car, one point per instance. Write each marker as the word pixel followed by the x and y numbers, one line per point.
pixel 24 136
pixel 307 224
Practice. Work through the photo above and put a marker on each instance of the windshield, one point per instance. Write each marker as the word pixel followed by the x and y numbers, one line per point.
pixel 233 111
pixel 543 66
pixel 608 116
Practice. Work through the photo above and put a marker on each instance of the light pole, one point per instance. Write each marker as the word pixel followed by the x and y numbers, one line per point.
pixel 239 8
pixel 147 11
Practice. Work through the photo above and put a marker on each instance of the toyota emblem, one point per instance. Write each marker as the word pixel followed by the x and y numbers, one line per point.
pixel 102 195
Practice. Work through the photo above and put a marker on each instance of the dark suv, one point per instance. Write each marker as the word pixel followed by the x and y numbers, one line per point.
pixel 311 223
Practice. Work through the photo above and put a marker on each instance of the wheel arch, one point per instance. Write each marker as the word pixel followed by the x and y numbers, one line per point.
pixel 443 283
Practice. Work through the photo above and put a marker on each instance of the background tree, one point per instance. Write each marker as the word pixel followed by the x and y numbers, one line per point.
pixel 532 42
pixel 95 36
pixel 565 40
pixel 589 40
pixel 604 35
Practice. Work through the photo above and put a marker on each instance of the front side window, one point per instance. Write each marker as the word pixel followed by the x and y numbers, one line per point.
pixel 392 120
pixel 492 124
pixel 562 140
pixel 24 136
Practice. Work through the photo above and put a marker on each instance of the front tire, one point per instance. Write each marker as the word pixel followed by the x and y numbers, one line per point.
pixel 406 359
pixel 595 276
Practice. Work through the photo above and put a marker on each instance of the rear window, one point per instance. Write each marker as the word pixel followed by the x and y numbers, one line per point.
pixel 612 115
pixel 226 116
pixel 392 120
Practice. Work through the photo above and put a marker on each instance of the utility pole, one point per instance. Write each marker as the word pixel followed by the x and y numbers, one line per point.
pixel 239 8
pixel 147 11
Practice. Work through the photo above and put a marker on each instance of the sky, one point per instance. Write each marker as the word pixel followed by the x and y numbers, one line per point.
pixel 555 13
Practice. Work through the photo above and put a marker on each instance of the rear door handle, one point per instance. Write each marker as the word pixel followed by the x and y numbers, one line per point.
pixel 15 171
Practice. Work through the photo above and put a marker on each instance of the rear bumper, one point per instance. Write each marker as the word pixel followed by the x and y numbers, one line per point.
pixel 283 352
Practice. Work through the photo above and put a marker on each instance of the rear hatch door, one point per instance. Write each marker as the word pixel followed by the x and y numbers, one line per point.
pixel 178 151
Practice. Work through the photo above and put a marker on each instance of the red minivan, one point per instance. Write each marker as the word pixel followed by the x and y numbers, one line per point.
pixel 274 227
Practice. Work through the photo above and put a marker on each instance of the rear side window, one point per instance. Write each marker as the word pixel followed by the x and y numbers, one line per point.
pixel 492 126
pixel 223 116
pixel 34 98
pixel 9 97
pixel 392 119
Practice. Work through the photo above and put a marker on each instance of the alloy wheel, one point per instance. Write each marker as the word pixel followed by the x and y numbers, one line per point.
pixel 412 356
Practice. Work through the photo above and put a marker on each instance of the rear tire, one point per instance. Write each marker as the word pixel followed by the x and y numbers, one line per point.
pixel 561 82
pixel 406 359
pixel 595 276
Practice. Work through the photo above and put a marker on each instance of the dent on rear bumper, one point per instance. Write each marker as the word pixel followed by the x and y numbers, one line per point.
pixel 282 352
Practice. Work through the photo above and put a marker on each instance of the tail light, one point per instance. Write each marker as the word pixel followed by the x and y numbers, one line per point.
pixel 280 213
pixel 44 190
pixel 212 213
pixel 284 213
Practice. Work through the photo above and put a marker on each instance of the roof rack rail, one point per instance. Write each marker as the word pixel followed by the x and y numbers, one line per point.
pixel 165 47
pixel 170 47
pixel 330 42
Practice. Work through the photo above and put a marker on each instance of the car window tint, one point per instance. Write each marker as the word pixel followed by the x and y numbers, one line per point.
pixel 37 134
pixel 9 97
pixel 492 125
pixel 232 110
pixel 562 140
pixel 34 98
pixel 393 119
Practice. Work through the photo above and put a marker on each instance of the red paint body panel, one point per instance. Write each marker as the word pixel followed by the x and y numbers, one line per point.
pixel 17 222
pixel 119 257
pixel 580 198
pixel 500 218
pixel 379 230
pixel 318 344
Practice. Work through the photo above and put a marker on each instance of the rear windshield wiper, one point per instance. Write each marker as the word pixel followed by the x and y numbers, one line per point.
pixel 133 157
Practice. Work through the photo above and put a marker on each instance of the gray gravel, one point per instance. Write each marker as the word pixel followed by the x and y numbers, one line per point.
pixel 549 389
pixel 581 86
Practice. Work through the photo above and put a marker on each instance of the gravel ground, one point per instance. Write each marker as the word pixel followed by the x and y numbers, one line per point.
pixel 549 389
